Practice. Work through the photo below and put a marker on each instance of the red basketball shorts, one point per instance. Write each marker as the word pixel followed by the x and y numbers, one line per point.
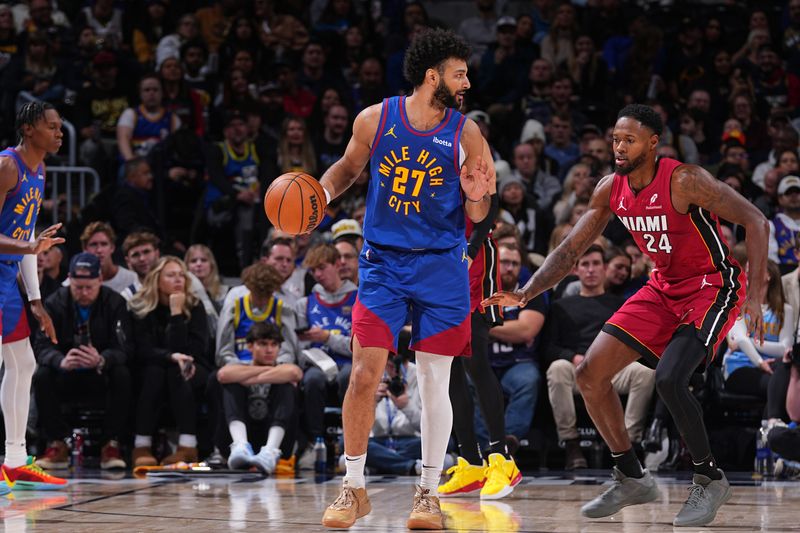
pixel 649 319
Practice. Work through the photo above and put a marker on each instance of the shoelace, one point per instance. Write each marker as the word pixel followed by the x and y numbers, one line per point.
pixel 614 486
pixel 36 469
pixel 496 472
pixel 344 501
pixel 424 503
pixel 696 494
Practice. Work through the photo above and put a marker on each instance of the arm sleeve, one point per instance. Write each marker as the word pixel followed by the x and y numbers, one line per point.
pixel 30 276
pixel 481 230
pixel 785 337
pixel 290 346
pixel 738 335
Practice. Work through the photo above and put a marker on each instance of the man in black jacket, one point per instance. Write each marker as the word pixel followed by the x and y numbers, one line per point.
pixel 93 328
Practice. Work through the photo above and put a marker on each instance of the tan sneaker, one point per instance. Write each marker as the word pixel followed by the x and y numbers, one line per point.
pixel 426 513
pixel 142 456
pixel 183 454
pixel 349 506
pixel 56 456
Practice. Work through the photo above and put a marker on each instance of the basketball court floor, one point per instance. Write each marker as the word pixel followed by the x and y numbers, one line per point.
pixel 203 503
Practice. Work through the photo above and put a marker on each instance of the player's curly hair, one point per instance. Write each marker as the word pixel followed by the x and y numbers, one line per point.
pixel 430 50
pixel 645 114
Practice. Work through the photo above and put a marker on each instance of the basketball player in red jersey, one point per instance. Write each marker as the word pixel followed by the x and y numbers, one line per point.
pixel 677 319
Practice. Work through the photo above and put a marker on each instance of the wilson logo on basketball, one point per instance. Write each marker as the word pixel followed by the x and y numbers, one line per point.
pixel 313 218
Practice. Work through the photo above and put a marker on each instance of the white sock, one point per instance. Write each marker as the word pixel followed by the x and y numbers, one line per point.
pixel 433 378
pixel 430 478
pixel 355 471
pixel 15 398
pixel 275 437
pixel 238 431
pixel 187 441
pixel 142 441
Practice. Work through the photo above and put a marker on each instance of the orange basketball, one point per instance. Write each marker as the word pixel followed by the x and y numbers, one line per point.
pixel 295 203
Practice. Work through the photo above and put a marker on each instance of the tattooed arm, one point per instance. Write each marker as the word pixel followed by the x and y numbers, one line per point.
pixel 694 186
pixel 561 262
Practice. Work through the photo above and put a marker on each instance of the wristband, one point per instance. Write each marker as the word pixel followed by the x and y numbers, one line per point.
pixel 477 201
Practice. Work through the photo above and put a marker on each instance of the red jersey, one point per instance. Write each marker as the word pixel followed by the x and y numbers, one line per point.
pixel 681 245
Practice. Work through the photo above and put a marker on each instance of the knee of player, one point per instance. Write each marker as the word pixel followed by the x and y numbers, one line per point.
pixel 666 383
pixel 364 379
pixel 587 380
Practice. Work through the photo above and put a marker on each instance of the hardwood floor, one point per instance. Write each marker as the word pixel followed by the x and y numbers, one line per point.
pixel 546 502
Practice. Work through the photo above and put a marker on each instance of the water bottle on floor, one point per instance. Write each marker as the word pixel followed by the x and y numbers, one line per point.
pixel 763 460
pixel 320 456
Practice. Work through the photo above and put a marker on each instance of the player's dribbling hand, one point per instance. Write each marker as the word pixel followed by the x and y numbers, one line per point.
pixel 476 183
pixel 45 322
pixel 45 240
pixel 506 299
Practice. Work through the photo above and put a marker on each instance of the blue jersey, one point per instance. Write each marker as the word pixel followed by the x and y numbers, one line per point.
pixel 414 200
pixel 335 317
pixel 22 203
pixel 147 133
pixel 244 318
pixel 241 171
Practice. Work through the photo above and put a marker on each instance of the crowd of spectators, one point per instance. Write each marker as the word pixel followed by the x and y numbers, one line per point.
pixel 189 110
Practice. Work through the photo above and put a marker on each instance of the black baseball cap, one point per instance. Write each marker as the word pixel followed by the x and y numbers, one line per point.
pixel 84 266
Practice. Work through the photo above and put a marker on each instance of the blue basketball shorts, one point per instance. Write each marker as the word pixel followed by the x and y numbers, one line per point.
pixel 12 309
pixel 431 286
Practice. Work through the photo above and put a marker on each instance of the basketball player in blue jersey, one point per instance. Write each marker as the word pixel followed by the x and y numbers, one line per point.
pixel 429 166
pixel 21 194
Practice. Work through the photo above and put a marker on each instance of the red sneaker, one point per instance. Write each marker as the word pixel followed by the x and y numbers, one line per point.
pixel 110 456
pixel 31 477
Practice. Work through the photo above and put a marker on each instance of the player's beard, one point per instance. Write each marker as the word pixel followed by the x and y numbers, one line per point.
pixel 631 166
pixel 442 97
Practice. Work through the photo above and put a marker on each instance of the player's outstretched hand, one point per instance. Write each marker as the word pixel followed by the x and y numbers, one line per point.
pixel 476 183
pixel 46 240
pixel 506 299
pixel 755 325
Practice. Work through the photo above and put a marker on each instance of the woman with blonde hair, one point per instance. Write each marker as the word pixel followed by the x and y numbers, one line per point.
pixel 295 151
pixel 201 262
pixel 578 185
pixel 172 354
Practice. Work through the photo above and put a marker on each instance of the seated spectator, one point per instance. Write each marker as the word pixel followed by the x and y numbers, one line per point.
pixel 48 267
pixel 98 239
pixel 98 108
pixel 332 142
pixel 394 446
pixel 324 319
pixel 561 146
pixel 236 170
pixel 501 63
pixel 90 361
pixel 141 249
pixel 148 31
pixel 260 397
pixel 106 20
pixel 171 333
pixel 539 183
pixel 280 253
pixel 141 128
pixel 514 351
pixel 133 207
pixel 371 87
pixel 251 303
pixel 573 324
pixel 346 234
pixel 749 364
pixel 180 98
pixel 348 230
pixel 519 209
pixel 201 262
pixel 785 227
pixel 784 137
pixel 578 187
pixel 295 151
pixel 170 45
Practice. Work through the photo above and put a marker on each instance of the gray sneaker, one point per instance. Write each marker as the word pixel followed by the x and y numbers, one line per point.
pixel 625 491
pixel 706 496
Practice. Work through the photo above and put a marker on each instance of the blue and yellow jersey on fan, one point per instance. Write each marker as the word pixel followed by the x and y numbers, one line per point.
pixel 414 200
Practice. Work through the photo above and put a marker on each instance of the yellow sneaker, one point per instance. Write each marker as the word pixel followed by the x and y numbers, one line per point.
pixel 501 477
pixel 499 516
pixel 285 467
pixel 463 516
pixel 464 479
